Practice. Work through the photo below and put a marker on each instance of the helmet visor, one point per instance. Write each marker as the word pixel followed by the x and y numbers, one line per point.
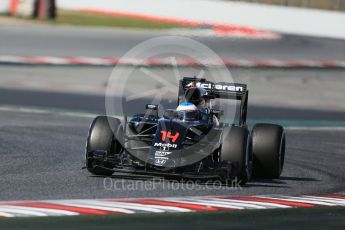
pixel 188 115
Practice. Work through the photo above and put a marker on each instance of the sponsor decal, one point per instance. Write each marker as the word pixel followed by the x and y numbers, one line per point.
pixel 167 134
pixel 162 153
pixel 160 161
pixel 230 87
pixel 152 106
pixel 165 146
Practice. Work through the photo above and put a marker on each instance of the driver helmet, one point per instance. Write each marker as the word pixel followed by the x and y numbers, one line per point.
pixel 187 111
pixel 196 95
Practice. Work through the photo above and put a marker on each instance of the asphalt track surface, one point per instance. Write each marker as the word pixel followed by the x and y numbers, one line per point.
pixel 71 41
pixel 42 157
pixel 96 104
pixel 42 154
pixel 73 87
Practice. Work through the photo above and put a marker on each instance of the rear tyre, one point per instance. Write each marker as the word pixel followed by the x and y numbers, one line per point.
pixel 236 148
pixel 268 150
pixel 103 136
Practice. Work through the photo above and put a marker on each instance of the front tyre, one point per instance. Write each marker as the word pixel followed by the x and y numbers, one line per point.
pixel 103 136
pixel 268 150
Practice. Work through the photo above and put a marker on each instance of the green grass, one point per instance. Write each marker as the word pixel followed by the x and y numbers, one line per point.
pixel 338 5
pixel 91 19
pixel 309 218
pixel 77 18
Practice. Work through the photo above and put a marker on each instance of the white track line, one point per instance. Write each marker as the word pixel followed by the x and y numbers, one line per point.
pixel 73 203
pixel 46 211
pixel 329 200
pixel 159 207
pixel 245 205
pixel 263 204
pixel 26 212
pixel 140 207
pixel 6 214
pixel 205 203
pixel 46 111
pixel 135 207
pixel 54 60
pixel 302 200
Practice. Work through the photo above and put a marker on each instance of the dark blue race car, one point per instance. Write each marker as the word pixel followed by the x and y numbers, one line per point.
pixel 188 142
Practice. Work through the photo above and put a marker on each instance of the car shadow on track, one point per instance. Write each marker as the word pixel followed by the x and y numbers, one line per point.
pixel 305 179
pixel 278 183
pixel 284 180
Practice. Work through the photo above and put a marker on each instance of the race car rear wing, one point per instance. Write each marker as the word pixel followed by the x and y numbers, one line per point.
pixel 220 90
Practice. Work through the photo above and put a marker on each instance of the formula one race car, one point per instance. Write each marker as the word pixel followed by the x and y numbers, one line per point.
pixel 187 142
